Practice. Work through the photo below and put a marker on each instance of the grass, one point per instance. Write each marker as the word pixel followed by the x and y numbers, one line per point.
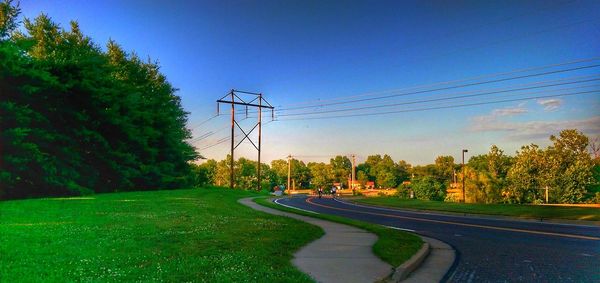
pixel 199 235
pixel 515 210
pixel 392 246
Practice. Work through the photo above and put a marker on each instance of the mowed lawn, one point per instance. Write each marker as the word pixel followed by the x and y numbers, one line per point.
pixel 198 235
pixel 522 211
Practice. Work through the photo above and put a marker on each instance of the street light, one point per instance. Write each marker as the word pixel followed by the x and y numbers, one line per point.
pixel 463 176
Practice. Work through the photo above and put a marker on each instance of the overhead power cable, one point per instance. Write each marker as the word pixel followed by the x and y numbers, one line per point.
pixel 204 122
pixel 406 91
pixel 444 107
pixel 437 99
pixel 449 87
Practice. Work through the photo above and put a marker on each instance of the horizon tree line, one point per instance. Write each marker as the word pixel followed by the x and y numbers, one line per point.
pixel 569 168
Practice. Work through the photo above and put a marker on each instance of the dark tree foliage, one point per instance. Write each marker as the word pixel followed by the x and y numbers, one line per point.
pixel 77 120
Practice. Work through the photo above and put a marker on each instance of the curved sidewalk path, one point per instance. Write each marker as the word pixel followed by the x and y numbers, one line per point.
pixel 343 254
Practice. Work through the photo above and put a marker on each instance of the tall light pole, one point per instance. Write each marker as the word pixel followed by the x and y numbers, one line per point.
pixel 463 175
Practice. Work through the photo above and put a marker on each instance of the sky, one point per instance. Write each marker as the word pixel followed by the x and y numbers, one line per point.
pixel 313 53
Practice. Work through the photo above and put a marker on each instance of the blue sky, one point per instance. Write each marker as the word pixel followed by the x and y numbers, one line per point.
pixel 295 51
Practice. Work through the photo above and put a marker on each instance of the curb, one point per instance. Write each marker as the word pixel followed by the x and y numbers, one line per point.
pixel 401 272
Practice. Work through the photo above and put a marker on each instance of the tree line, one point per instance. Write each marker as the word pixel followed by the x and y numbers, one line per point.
pixel 76 118
pixel 569 168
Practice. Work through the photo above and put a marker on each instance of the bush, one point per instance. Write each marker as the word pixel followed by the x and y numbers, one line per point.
pixel 427 188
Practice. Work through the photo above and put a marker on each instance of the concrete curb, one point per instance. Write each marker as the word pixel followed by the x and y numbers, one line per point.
pixel 401 272
pixel 436 265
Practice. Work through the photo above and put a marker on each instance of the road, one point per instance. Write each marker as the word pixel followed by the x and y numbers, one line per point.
pixel 488 250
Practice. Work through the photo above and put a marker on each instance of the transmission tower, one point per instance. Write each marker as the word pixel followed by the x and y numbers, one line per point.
pixel 257 102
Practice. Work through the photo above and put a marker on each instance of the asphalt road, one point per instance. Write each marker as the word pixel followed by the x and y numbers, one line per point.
pixel 489 250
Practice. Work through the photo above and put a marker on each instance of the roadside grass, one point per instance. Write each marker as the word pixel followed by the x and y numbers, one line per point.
pixel 515 210
pixel 393 246
pixel 199 235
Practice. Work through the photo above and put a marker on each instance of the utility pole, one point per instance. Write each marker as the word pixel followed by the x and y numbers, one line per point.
pixel 231 169
pixel 259 132
pixel 463 176
pixel 546 194
pixel 289 170
pixel 237 100
pixel 353 172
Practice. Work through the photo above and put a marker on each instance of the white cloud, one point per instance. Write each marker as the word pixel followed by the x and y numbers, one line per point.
pixel 550 104
pixel 509 111
pixel 534 129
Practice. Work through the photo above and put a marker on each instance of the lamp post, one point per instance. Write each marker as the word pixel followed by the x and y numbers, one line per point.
pixel 463 176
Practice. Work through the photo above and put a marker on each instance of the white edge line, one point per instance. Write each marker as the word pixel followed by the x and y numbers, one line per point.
pixel 401 229
pixel 276 201
pixel 508 219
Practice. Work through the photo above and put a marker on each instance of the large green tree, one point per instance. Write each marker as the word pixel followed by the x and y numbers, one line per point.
pixel 76 119
pixel 341 167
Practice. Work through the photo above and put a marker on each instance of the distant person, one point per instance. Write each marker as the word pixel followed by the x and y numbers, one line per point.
pixel 333 191
pixel 320 191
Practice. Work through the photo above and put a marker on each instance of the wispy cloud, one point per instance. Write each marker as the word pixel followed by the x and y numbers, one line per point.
pixel 533 129
pixel 509 111
pixel 550 104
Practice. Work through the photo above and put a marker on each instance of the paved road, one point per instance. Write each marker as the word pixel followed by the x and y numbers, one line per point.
pixel 489 250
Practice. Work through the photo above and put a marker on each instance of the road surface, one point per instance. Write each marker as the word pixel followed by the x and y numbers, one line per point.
pixel 488 250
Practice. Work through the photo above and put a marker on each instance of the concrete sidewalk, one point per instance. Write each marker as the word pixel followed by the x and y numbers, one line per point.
pixel 343 254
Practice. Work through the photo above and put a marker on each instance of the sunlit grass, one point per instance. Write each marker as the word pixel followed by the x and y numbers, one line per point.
pixel 200 235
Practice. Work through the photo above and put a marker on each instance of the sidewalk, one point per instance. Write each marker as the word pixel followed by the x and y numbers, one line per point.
pixel 343 254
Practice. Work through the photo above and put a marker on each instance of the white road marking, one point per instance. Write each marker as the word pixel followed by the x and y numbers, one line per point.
pixel 482 217
pixel 402 229
pixel 288 206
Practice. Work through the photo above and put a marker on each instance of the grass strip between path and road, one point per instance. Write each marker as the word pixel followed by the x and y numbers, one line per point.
pixel 392 246
pixel 513 210
pixel 197 235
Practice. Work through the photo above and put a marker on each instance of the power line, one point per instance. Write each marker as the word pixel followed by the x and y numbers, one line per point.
pixel 443 107
pixel 449 87
pixel 436 99
pixel 204 122
pixel 319 102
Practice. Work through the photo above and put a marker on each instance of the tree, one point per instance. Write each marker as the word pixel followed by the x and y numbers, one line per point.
pixel 362 177
pixel 321 174
pixel 403 169
pixel 527 176
pixel 384 171
pixel 481 187
pixel 280 168
pixel 565 167
pixel 445 169
pixel 498 162
pixel 300 174
pixel 341 167
pixel 8 17
pixel 77 120
pixel 570 166
pixel 428 188
pixel 204 174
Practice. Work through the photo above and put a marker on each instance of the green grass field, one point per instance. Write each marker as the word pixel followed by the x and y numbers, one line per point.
pixel 392 246
pixel 199 235
pixel 522 211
